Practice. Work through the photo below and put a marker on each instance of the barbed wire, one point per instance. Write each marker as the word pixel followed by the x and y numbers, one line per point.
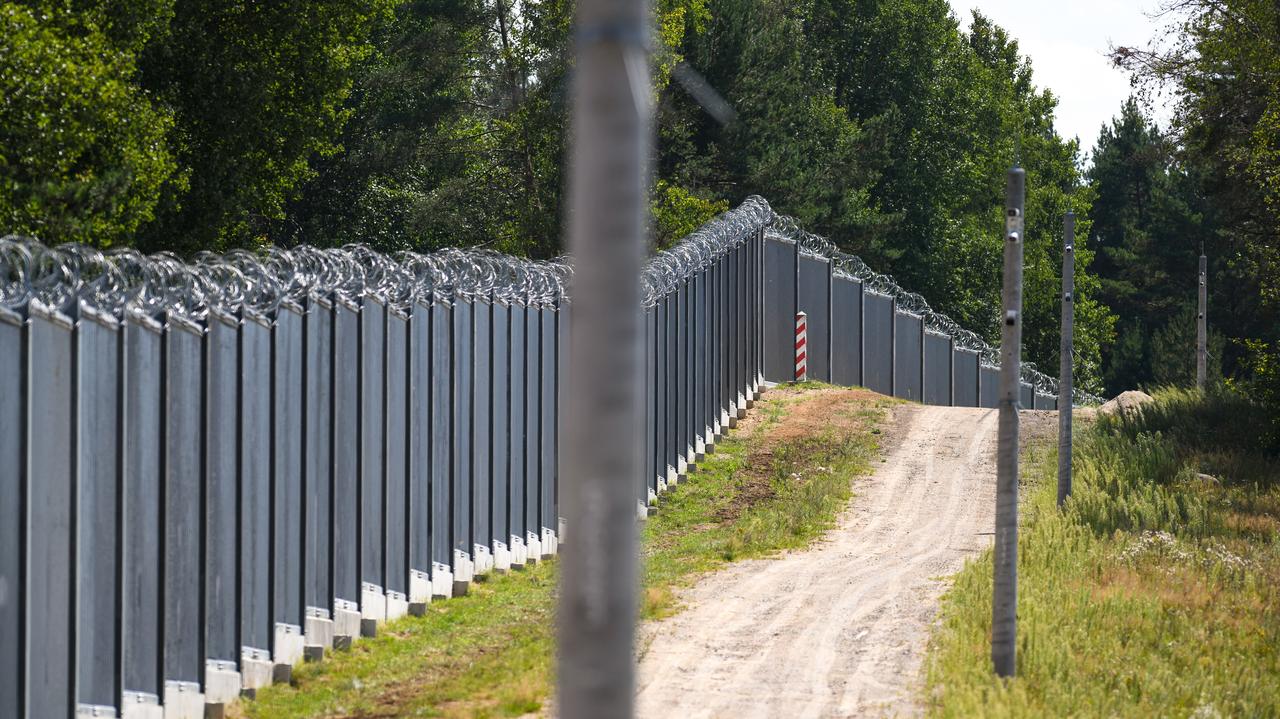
pixel 259 283
pixel 243 282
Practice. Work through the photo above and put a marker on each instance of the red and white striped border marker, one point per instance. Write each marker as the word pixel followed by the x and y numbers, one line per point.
pixel 802 369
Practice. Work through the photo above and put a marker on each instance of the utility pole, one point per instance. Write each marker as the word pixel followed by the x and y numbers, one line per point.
pixel 1202 329
pixel 1066 381
pixel 607 223
pixel 1004 609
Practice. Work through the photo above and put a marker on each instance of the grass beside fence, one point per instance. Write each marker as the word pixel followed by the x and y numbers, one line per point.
pixel 776 482
pixel 1157 591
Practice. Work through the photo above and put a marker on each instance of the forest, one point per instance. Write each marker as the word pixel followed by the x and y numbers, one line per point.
pixel 887 126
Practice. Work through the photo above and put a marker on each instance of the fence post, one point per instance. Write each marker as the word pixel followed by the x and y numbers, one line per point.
pixel 802 347
pixel 608 187
pixel 1202 330
pixel 1065 379
pixel 1005 597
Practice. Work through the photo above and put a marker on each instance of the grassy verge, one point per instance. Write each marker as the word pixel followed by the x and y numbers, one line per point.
pixel 774 483
pixel 1155 593
pixel 777 484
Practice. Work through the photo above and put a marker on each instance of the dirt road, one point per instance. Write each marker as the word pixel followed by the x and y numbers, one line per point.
pixel 837 630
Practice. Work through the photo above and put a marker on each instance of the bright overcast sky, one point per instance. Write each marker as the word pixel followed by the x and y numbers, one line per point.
pixel 1067 42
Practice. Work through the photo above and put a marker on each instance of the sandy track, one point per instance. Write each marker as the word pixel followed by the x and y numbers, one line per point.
pixel 838 629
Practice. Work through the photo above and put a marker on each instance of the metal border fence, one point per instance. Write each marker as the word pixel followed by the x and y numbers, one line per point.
pixel 210 470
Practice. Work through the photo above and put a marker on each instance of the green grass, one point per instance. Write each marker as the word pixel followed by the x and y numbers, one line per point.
pixel 489 654
pixel 1155 593
pixel 703 523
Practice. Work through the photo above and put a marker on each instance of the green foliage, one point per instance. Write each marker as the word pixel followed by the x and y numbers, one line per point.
pixel 1263 364
pixel 885 128
pixel 1173 357
pixel 1220 61
pixel 429 123
pixel 1153 594
pixel 84 153
pixel 257 90
pixel 678 212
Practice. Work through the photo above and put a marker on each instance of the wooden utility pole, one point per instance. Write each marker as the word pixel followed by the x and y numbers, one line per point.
pixel 1004 613
pixel 607 220
pixel 1202 329
pixel 1066 381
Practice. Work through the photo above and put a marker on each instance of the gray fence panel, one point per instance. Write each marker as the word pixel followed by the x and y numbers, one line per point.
pixel 441 436
pixel 1043 401
pixel 908 356
pixel 814 292
pixel 965 377
pixel 500 524
pixel 720 339
pixel 532 429
pixel 421 445
pixel 97 446
pixel 50 501
pixel 708 336
pixel 318 455
pixel 736 306
pixel 373 388
pixel 1026 396
pixel 877 342
pixel 662 448
pixel 724 348
pixel 989 386
pixel 221 511
pixel 462 398
pixel 396 552
pixel 752 322
pixel 12 503
pixel 672 383
pixel 189 494
pixel 255 484
pixel 649 474
pixel 846 331
pixel 547 425
pixel 286 469
pixel 482 427
pixel 754 297
pixel 141 516
pixel 519 398
pixel 562 381
pixel 346 453
pixel 937 369
pixel 779 310
pixel 697 346
pixel 683 414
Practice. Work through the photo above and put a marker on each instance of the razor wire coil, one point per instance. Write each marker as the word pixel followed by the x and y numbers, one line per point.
pixel 258 283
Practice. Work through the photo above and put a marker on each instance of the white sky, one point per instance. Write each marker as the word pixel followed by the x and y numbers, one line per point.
pixel 1067 42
